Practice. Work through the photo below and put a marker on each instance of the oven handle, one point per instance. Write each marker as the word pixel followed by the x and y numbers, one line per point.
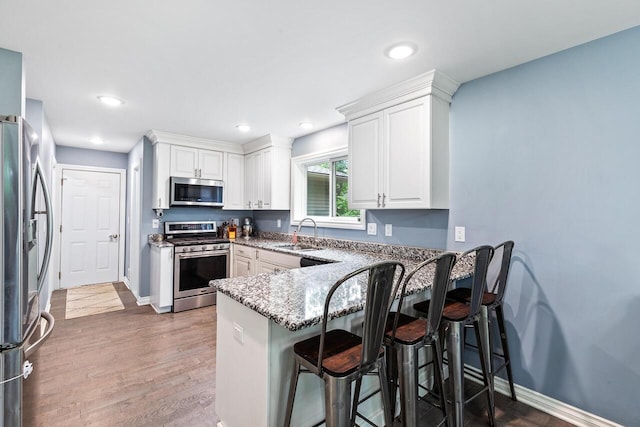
pixel 185 255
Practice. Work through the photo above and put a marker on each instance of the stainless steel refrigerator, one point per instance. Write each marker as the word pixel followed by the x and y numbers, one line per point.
pixel 22 184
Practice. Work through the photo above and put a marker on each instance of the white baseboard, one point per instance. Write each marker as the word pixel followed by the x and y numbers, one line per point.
pixel 139 300
pixel 547 404
pixel 143 300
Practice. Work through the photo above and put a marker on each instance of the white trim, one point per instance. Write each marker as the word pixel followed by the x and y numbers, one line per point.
pixel 432 82
pixel 156 136
pixel 549 405
pixel 139 300
pixel 143 300
pixel 299 192
pixel 267 141
pixel 56 189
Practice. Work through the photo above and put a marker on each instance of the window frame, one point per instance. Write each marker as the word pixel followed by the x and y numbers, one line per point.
pixel 299 191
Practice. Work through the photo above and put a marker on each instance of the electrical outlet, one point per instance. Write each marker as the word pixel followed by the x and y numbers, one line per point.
pixel 372 228
pixel 238 333
pixel 278 223
pixel 459 231
pixel 155 223
pixel 388 230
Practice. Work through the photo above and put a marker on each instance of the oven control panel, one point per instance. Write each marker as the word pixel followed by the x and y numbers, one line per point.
pixel 202 248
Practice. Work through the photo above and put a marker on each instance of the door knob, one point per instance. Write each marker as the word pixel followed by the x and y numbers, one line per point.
pixel 113 236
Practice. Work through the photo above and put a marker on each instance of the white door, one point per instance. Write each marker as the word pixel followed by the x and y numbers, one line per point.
pixel 90 227
pixel 365 162
pixel 210 164
pixel 184 161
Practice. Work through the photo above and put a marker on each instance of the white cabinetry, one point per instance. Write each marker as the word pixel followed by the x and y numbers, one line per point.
pixel 248 261
pixel 187 162
pixel 233 181
pixel 267 179
pixel 189 157
pixel 161 280
pixel 161 175
pixel 399 145
pixel 243 260
pixel 273 262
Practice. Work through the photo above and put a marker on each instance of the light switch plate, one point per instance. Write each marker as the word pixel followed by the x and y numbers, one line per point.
pixel 388 230
pixel 460 231
pixel 278 223
pixel 372 228
pixel 155 223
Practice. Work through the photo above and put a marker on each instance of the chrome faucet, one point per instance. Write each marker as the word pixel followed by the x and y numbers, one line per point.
pixel 315 227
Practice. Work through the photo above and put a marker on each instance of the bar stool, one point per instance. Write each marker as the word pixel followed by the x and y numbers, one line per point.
pixel 456 315
pixel 406 335
pixel 340 357
pixel 492 301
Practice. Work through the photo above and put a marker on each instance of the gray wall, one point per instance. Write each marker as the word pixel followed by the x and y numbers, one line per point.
pixel 547 154
pixel 11 84
pixel 94 158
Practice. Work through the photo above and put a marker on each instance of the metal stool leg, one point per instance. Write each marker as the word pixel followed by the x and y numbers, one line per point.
pixel 486 373
pixel 337 398
pixel 356 398
pixel 505 349
pixel 439 377
pixel 292 391
pixel 386 401
pixel 408 378
pixel 485 336
pixel 454 351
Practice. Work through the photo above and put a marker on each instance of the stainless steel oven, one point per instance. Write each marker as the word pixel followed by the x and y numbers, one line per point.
pixel 199 257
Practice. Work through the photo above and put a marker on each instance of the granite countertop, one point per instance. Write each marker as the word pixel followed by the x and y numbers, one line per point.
pixel 158 241
pixel 295 298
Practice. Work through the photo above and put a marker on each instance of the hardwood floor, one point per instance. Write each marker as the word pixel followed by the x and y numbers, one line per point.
pixel 130 368
pixel 136 368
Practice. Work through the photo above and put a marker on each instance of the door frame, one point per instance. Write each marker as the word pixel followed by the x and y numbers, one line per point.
pixel 58 172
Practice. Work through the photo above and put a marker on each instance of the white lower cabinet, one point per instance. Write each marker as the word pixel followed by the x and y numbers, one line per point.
pixel 248 261
pixel 273 262
pixel 161 286
pixel 243 261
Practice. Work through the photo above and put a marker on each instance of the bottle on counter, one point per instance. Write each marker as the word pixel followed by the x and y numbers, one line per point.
pixel 233 228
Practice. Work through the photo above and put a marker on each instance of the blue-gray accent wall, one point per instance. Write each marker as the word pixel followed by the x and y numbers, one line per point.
pixel 11 85
pixel 547 154
pixel 94 158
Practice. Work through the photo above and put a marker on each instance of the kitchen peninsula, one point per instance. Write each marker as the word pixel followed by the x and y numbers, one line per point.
pixel 260 318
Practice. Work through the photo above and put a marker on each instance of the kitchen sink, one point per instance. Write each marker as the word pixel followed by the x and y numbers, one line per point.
pixel 298 247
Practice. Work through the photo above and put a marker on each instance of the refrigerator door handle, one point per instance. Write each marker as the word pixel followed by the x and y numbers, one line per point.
pixel 50 323
pixel 38 176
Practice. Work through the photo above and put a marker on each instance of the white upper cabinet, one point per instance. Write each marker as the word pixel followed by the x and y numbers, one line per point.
pixel 189 157
pixel 233 181
pixel 399 145
pixel 267 176
pixel 187 162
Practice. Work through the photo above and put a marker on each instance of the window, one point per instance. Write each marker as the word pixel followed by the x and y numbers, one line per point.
pixel 320 190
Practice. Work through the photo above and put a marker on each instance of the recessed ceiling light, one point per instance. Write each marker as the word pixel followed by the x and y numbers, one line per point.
pixel 401 50
pixel 96 140
pixel 111 101
pixel 243 127
pixel 306 125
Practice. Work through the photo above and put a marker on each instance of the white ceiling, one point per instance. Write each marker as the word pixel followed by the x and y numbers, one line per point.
pixel 199 67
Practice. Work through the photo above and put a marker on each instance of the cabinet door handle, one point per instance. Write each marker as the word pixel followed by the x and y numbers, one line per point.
pixel 378 199
pixel 249 204
pixel 159 201
pixel 383 197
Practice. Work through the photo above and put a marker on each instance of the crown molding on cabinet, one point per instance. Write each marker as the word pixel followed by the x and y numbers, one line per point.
pixel 433 82
pixel 156 136
pixel 265 141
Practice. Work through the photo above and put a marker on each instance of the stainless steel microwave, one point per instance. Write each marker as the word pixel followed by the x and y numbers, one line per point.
pixel 196 192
